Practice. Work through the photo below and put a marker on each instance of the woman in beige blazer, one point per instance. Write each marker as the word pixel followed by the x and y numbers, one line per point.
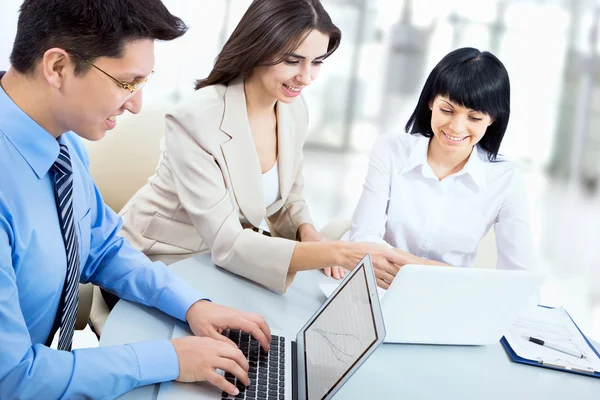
pixel 246 120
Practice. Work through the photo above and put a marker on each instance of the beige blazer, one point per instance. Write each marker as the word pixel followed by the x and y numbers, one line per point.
pixel 208 188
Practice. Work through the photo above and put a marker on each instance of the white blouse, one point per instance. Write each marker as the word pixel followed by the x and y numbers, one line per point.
pixel 270 181
pixel 405 205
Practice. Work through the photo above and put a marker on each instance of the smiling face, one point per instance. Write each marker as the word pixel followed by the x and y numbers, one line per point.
pixel 285 81
pixel 89 103
pixel 456 128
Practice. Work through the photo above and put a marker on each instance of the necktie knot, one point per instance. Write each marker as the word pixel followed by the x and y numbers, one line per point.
pixel 62 165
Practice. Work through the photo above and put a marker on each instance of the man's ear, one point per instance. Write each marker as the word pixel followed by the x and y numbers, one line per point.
pixel 56 64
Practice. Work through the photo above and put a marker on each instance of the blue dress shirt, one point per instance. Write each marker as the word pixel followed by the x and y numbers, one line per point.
pixel 33 267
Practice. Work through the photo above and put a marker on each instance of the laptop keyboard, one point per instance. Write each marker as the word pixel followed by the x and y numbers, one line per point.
pixel 266 372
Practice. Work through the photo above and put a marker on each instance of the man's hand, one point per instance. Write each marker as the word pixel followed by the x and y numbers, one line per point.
pixel 210 320
pixel 308 233
pixel 200 357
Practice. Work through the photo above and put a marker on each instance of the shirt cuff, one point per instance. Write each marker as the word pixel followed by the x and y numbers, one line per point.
pixel 157 361
pixel 177 298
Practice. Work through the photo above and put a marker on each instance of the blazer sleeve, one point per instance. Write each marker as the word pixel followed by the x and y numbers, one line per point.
pixel 202 192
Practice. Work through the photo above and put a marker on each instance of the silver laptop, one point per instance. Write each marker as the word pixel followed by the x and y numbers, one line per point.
pixel 332 345
pixel 452 305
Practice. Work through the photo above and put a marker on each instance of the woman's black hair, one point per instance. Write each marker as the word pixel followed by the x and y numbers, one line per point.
pixel 472 79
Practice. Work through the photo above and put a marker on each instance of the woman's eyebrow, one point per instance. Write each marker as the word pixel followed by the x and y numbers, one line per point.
pixel 470 110
pixel 448 103
pixel 303 58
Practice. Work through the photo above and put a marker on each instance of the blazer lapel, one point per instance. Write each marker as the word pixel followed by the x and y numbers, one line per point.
pixel 241 157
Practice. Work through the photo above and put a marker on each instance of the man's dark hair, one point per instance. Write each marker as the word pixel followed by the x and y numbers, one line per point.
pixel 88 28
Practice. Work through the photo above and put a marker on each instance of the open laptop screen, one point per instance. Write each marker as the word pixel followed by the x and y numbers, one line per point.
pixel 339 336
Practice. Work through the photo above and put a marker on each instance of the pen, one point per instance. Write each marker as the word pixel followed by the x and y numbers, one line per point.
pixel 554 347
pixel 584 370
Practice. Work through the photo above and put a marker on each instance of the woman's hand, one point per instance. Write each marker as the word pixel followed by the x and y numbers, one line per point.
pixel 308 233
pixel 386 260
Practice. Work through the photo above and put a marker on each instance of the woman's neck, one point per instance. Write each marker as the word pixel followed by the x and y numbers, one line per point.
pixel 258 100
pixel 444 163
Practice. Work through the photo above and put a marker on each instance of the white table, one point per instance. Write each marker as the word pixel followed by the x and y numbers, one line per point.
pixel 393 372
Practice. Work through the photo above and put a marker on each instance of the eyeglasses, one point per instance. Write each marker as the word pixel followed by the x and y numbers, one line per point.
pixel 132 87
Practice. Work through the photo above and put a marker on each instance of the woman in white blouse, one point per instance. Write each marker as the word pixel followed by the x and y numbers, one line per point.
pixel 432 195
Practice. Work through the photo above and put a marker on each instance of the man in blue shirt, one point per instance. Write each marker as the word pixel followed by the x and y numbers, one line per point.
pixel 76 66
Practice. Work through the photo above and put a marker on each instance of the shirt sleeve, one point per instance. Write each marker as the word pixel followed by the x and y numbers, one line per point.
pixel 514 239
pixel 370 216
pixel 34 371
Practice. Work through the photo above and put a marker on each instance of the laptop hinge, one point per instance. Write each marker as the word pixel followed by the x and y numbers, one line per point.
pixel 294 371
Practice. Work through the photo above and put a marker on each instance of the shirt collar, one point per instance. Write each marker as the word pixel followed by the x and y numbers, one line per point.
pixel 417 155
pixel 34 143
pixel 475 166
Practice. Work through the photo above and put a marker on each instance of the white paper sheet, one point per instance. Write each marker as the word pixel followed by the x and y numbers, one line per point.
pixel 554 326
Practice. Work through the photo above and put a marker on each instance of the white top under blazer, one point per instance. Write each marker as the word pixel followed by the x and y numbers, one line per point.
pixel 270 180
pixel 404 205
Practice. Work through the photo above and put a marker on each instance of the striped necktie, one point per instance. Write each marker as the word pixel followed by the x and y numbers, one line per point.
pixel 63 191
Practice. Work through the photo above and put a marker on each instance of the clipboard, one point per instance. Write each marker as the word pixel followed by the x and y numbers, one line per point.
pixel 515 358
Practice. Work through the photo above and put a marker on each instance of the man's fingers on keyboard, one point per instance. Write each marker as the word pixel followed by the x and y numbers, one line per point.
pixel 236 355
pixel 219 381
pixel 254 329
pixel 222 338
pixel 262 338
pixel 262 324
pixel 233 368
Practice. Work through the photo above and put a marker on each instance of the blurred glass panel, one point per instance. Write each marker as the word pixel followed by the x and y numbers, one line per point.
pixel 330 96
pixel 8 29
pixel 179 63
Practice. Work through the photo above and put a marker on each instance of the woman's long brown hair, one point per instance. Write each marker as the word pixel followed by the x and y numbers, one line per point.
pixel 268 31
